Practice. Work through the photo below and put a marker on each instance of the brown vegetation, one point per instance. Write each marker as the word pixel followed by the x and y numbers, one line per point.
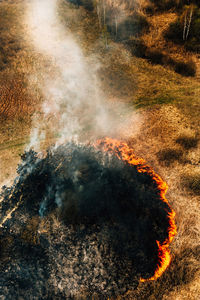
pixel 168 139
pixel 187 142
pixel 14 98
pixel 191 182
pixel 161 129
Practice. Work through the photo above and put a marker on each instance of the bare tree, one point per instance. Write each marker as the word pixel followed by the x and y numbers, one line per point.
pixel 187 21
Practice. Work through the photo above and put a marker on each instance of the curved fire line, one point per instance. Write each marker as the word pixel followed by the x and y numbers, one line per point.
pixel 125 153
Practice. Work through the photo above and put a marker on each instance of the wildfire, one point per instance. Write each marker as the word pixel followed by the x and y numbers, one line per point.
pixel 124 152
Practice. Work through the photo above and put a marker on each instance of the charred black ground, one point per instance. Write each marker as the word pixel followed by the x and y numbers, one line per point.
pixel 108 214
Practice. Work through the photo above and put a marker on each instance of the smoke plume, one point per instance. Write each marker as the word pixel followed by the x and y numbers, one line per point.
pixel 74 100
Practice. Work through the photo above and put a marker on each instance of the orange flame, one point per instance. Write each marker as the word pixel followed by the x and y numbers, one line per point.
pixel 124 152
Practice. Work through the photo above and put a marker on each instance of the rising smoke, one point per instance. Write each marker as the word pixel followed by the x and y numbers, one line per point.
pixel 73 96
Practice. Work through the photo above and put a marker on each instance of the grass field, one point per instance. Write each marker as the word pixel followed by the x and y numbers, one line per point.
pixel 168 137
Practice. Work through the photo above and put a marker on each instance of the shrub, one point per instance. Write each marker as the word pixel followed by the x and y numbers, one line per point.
pixel 88 4
pixel 175 31
pixel 193 43
pixel 155 56
pixel 75 2
pixel 186 68
pixel 187 142
pixel 168 156
pixel 170 4
pixel 191 182
pixel 139 49
pixel 136 47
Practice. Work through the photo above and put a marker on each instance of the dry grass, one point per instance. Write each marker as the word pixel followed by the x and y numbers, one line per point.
pixel 161 128
pixel 22 70
pixel 159 24
pixel 155 39
pixel 30 232
pixel 16 98
pixel 169 106
pixel 191 182
pixel 20 80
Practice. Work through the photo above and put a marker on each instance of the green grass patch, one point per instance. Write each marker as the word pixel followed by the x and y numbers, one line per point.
pixel 150 101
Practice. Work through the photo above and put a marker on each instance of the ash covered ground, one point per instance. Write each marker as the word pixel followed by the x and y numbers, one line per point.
pixel 85 222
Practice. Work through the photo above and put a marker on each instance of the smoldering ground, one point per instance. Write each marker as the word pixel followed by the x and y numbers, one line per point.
pixel 109 217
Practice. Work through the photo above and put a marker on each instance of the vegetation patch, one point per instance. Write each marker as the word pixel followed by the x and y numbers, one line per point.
pixel 157 57
pixel 185 30
pixel 187 142
pixel 134 25
pixel 191 182
pixel 185 68
pixel 10 39
pixel 149 101
pixel 136 47
pixel 169 156
pixel 164 5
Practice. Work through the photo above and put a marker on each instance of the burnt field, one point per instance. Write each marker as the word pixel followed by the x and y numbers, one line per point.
pixel 111 224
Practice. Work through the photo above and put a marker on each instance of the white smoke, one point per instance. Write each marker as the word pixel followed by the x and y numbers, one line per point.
pixel 73 97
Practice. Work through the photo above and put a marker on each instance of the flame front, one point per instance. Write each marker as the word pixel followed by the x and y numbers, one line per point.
pixel 124 152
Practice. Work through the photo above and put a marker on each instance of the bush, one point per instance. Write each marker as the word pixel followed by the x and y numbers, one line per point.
pixel 186 68
pixel 187 142
pixel 192 183
pixel 155 56
pixel 87 4
pixel 175 31
pixel 170 4
pixel 136 47
pixel 168 156
pixel 75 2
pixel 139 49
